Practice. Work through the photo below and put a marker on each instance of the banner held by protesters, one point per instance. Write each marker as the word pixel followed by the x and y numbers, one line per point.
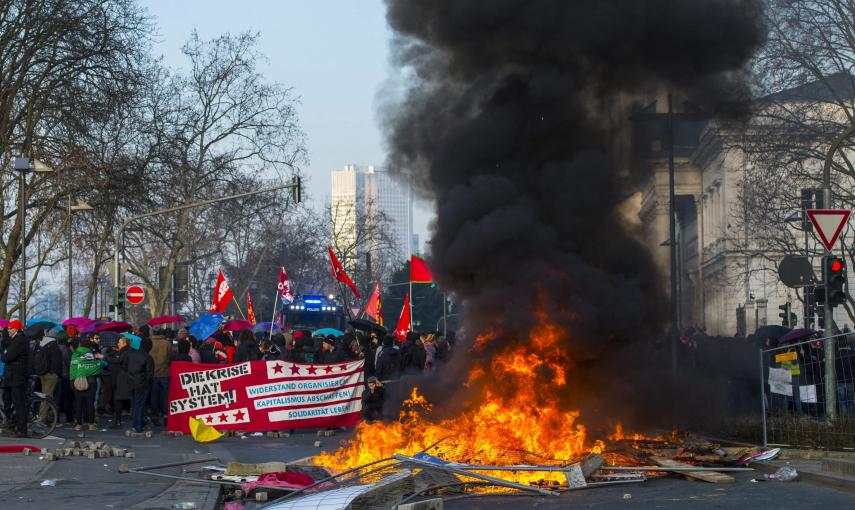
pixel 266 395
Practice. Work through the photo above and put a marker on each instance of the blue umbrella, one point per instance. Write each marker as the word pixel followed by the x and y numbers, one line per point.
pixel 327 331
pixel 265 326
pixel 36 320
pixel 205 326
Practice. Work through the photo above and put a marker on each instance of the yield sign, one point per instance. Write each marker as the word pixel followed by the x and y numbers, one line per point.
pixel 829 224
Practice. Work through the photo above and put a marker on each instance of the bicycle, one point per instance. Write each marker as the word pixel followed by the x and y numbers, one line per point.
pixel 37 427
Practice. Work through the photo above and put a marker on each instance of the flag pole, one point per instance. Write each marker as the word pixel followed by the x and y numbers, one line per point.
pixel 410 243
pixel 273 319
pixel 234 298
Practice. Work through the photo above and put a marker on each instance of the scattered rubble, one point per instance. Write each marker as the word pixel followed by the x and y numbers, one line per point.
pixel 89 449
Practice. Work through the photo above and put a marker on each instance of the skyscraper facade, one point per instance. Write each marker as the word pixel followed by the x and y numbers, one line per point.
pixel 362 195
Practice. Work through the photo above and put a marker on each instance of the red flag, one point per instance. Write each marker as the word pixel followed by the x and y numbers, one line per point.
pixel 419 272
pixel 373 308
pixel 250 311
pixel 404 326
pixel 222 294
pixel 340 275
pixel 284 286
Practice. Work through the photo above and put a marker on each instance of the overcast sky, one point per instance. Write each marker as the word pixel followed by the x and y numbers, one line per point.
pixel 335 55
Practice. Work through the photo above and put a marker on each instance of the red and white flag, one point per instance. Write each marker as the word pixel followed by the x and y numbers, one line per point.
pixel 404 325
pixel 222 294
pixel 250 310
pixel 339 274
pixel 374 308
pixel 284 286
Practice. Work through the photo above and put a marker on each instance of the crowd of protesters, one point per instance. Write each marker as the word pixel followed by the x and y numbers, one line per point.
pixel 97 379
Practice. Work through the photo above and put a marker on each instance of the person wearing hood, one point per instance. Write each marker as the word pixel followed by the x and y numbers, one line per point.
pixel 139 367
pixel 388 362
pixel 47 364
pixel 330 352
pixel 83 372
pixel 121 393
pixel 65 400
pixel 183 353
pixel 16 357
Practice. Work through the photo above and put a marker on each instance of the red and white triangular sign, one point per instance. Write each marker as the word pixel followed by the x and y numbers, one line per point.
pixel 829 224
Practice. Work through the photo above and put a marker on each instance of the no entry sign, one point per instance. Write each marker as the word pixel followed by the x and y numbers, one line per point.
pixel 135 294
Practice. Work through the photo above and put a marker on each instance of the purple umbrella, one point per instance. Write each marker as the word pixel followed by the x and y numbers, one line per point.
pixel 265 326
pixel 796 335
pixel 91 327
pixel 116 326
pixel 78 322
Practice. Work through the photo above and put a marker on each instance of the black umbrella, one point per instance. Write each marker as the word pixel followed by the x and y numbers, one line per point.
pixel 367 325
pixel 772 331
pixel 37 328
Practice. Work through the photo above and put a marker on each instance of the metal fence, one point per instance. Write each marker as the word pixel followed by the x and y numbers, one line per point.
pixel 794 394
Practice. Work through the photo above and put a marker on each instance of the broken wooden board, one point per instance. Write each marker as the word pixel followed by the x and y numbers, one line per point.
pixel 706 476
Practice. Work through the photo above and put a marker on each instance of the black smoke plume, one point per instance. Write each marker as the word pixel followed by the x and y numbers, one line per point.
pixel 506 122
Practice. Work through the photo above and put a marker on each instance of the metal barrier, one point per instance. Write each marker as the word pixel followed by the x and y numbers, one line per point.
pixel 793 394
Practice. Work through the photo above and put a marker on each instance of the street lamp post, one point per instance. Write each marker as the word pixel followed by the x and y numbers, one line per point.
pixel 295 185
pixel 71 209
pixel 24 165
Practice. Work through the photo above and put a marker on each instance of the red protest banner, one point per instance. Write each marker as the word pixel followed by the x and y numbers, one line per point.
pixel 265 395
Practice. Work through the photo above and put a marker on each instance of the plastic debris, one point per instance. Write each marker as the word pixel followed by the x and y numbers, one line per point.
pixel 627 496
pixel 184 505
pixel 48 483
pixel 257 434
pixel 785 474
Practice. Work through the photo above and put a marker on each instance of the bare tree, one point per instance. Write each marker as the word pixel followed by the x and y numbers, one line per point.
pixel 57 59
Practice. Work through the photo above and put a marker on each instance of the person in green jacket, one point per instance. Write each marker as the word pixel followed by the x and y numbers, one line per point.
pixel 85 367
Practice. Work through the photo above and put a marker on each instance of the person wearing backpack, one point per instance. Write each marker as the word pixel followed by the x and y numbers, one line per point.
pixel 47 364
pixel 83 372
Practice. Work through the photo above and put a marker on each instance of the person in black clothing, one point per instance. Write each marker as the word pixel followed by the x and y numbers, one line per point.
pixel 121 394
pixel 372 400
pixel 52 366
pixel 183 351
pixel 247 347
pixel 139 367
pixel 16 356
pixel 330 353
pixel 206 353
pixel 371 354
pixel 388 362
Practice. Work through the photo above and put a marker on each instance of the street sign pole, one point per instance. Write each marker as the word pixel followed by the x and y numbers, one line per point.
pixel 829 345
pixel 828 224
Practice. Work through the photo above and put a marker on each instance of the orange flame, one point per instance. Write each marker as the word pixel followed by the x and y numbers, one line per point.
pixel 515 411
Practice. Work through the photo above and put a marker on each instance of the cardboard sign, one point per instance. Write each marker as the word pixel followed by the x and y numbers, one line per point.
pixel 265 395
pixel 787 356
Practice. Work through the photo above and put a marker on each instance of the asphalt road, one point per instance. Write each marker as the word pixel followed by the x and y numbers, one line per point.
pixel 81 483
pixel 676 493
pixel 96 484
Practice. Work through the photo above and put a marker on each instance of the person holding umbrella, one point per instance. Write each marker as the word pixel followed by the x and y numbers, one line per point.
pixel 16 358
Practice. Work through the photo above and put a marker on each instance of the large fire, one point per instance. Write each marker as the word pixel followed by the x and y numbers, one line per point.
pixel 514 412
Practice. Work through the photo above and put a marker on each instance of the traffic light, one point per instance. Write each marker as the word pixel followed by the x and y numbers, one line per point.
pixel 835 279
pixel 119 299
pixel 297 190
pixel 786 315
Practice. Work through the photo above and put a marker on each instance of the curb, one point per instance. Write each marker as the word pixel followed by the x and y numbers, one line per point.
pixel 839 483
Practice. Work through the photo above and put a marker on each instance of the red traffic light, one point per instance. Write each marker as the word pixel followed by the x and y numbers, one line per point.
pixel 837 265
